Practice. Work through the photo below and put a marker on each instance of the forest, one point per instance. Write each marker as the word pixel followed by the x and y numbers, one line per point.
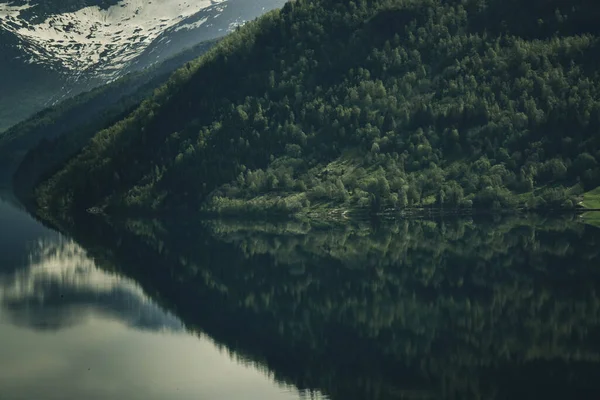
pixel 365 104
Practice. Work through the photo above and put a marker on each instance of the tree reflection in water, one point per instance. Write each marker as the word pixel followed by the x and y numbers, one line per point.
pixel 409 309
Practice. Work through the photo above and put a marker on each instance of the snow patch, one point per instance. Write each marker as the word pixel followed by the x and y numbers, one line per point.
pixel 93 39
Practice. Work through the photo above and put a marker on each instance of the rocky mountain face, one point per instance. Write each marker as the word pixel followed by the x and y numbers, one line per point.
pixel 52 49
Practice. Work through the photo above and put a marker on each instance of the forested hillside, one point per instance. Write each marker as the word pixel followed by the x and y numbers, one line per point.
pixel 65 128
pixel 363 104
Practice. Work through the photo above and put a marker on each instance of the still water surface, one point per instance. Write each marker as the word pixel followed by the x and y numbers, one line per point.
pixel 427 309
pixel 70 330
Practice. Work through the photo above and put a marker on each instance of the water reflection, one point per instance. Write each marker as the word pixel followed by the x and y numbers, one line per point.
pixel 17 232
pixel 72 326
pixel 62 287
pixel 439 309
pixel 410 309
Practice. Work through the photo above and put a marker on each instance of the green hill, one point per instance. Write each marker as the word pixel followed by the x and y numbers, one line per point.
pixel 363 104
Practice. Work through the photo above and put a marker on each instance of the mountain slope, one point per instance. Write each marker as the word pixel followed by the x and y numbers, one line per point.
pixel 369 104
pixel 68 126
pixel 80 44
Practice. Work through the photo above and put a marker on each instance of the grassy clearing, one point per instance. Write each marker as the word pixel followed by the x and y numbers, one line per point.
pixel 591 218
pixel 591 199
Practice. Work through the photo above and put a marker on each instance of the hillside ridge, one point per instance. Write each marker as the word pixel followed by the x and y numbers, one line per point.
pixel 451 104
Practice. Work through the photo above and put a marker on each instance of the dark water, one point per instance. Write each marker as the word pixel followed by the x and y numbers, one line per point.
pixel 449 309
pixel 72 327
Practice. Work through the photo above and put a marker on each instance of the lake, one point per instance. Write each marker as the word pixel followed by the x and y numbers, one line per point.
pixel 180 308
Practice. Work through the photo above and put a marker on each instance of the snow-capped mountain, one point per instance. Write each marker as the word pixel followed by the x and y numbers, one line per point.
pixel 50 49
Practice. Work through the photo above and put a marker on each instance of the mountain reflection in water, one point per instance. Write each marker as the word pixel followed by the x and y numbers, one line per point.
pixel 504 308
pixel 453 308
pixel 73 326
pixel 62 287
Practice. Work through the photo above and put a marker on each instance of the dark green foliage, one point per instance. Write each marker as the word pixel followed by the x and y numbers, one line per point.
pixel 369 103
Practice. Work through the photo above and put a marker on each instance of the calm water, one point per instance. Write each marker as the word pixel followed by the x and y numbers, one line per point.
pixel 147 309
pixel 70 329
